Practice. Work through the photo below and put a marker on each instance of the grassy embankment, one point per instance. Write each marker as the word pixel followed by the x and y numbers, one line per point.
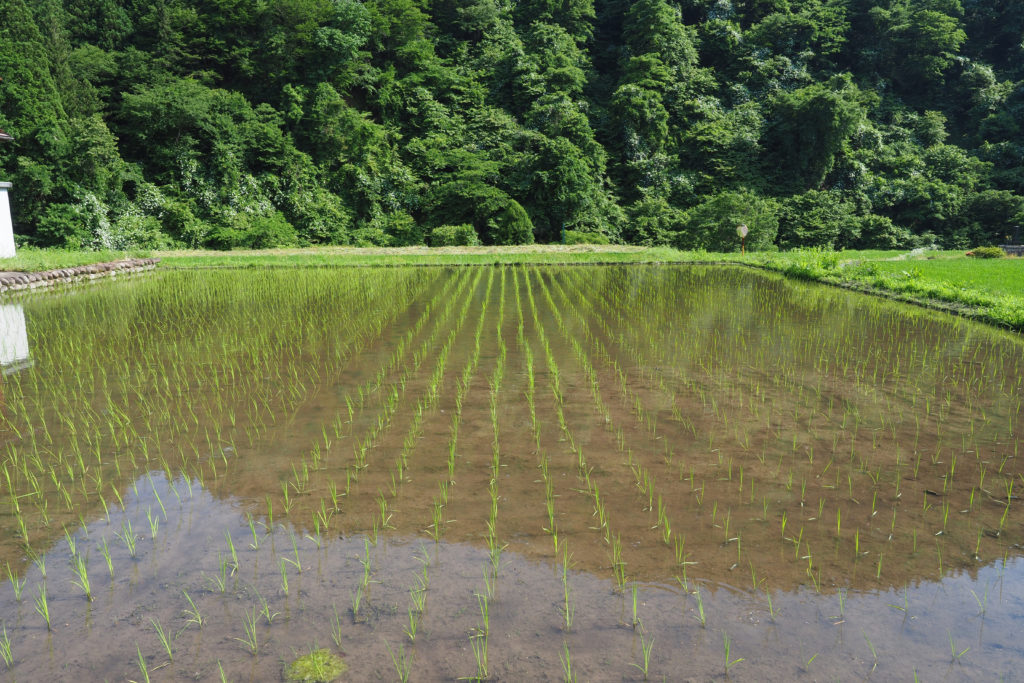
pixel 990 290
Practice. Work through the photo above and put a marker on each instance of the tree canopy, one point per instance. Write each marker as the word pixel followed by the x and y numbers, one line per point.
pixel 224 123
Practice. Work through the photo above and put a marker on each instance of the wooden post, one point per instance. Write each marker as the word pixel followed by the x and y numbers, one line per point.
pixel 742 231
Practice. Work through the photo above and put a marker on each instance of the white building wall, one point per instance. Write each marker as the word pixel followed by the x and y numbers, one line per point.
pixel 6 225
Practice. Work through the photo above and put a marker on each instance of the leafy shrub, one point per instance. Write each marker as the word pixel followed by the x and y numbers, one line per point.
pixel 987 252
pixel 582 237
pixel 510 225
pixel 134 231
pixel 454 236
pixel 401 229
pixel 652 221
pixel 811 263
pixel 878 232
pixel 254 232
pixel 64 225
pixel 712 225
pixel 180 222
pixel 820 219
pixel 370 237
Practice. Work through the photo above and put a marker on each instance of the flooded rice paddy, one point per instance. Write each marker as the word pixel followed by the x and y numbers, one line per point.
pixel 529 473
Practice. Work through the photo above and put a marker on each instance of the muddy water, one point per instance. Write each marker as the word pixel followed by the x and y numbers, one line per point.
pixel 365 460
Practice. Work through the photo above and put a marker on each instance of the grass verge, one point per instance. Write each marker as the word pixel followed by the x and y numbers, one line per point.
pixel 30 259
pixel 992 291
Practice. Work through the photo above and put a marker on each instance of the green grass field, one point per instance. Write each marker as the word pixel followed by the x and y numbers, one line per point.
pixel 996 276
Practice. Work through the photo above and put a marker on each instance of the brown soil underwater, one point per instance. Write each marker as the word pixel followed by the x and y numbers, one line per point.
pixel 506 473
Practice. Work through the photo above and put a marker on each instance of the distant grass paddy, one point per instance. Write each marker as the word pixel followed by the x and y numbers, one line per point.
pixel 996 276
pixel 514 473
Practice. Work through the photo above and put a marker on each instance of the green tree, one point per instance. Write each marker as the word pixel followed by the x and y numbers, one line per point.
pixel 808 129
pixel 712 224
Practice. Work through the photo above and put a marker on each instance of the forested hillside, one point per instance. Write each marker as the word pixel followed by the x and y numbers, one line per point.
pixel 221 123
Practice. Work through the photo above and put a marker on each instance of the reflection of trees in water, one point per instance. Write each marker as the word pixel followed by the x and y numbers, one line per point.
pixel 796 436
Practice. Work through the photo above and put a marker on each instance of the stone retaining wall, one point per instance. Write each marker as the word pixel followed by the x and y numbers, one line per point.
pixel 46 278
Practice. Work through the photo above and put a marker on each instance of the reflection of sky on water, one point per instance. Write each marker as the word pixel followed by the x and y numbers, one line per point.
pixel 14 353
pixel 909 628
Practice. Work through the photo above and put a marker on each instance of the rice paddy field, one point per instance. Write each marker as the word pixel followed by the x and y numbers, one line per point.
pixel 602 473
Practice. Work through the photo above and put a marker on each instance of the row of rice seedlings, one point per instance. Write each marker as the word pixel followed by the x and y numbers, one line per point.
pixel 427 404
pixel 389 484
pixel 644 483
pixel 479 639
pixel 390 404
pixel 612 540
pixel 494 544
pixel 439 517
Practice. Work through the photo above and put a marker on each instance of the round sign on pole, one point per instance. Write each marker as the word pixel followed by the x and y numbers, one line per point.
pixel 742 230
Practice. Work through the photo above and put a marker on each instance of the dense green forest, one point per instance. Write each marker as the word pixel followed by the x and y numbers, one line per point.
pixel 222 123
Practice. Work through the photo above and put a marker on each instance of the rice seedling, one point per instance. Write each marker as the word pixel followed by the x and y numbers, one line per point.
pixel 485 614
pixel 982 601
pixel 568 675
pixel 5 648
pixel 128 537
pixel 645 662
pixel 336 634
pixel 42 605
pixel 17 584
pixel 357 599
pixel 284 575
pixel 478 643
pixel 164 637
pixel 955 652
pixel 265 610
pixel 193 616
pixel 250 638
pixel 569 609
pixel 701 618
pixel 633 591
pixel 143 669
pixel 79 566
pixel 871 647
pixel 727 647
pixel 255 545
pixel 415 614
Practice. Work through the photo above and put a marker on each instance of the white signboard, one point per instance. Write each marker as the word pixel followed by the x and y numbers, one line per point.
pixel 742 230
